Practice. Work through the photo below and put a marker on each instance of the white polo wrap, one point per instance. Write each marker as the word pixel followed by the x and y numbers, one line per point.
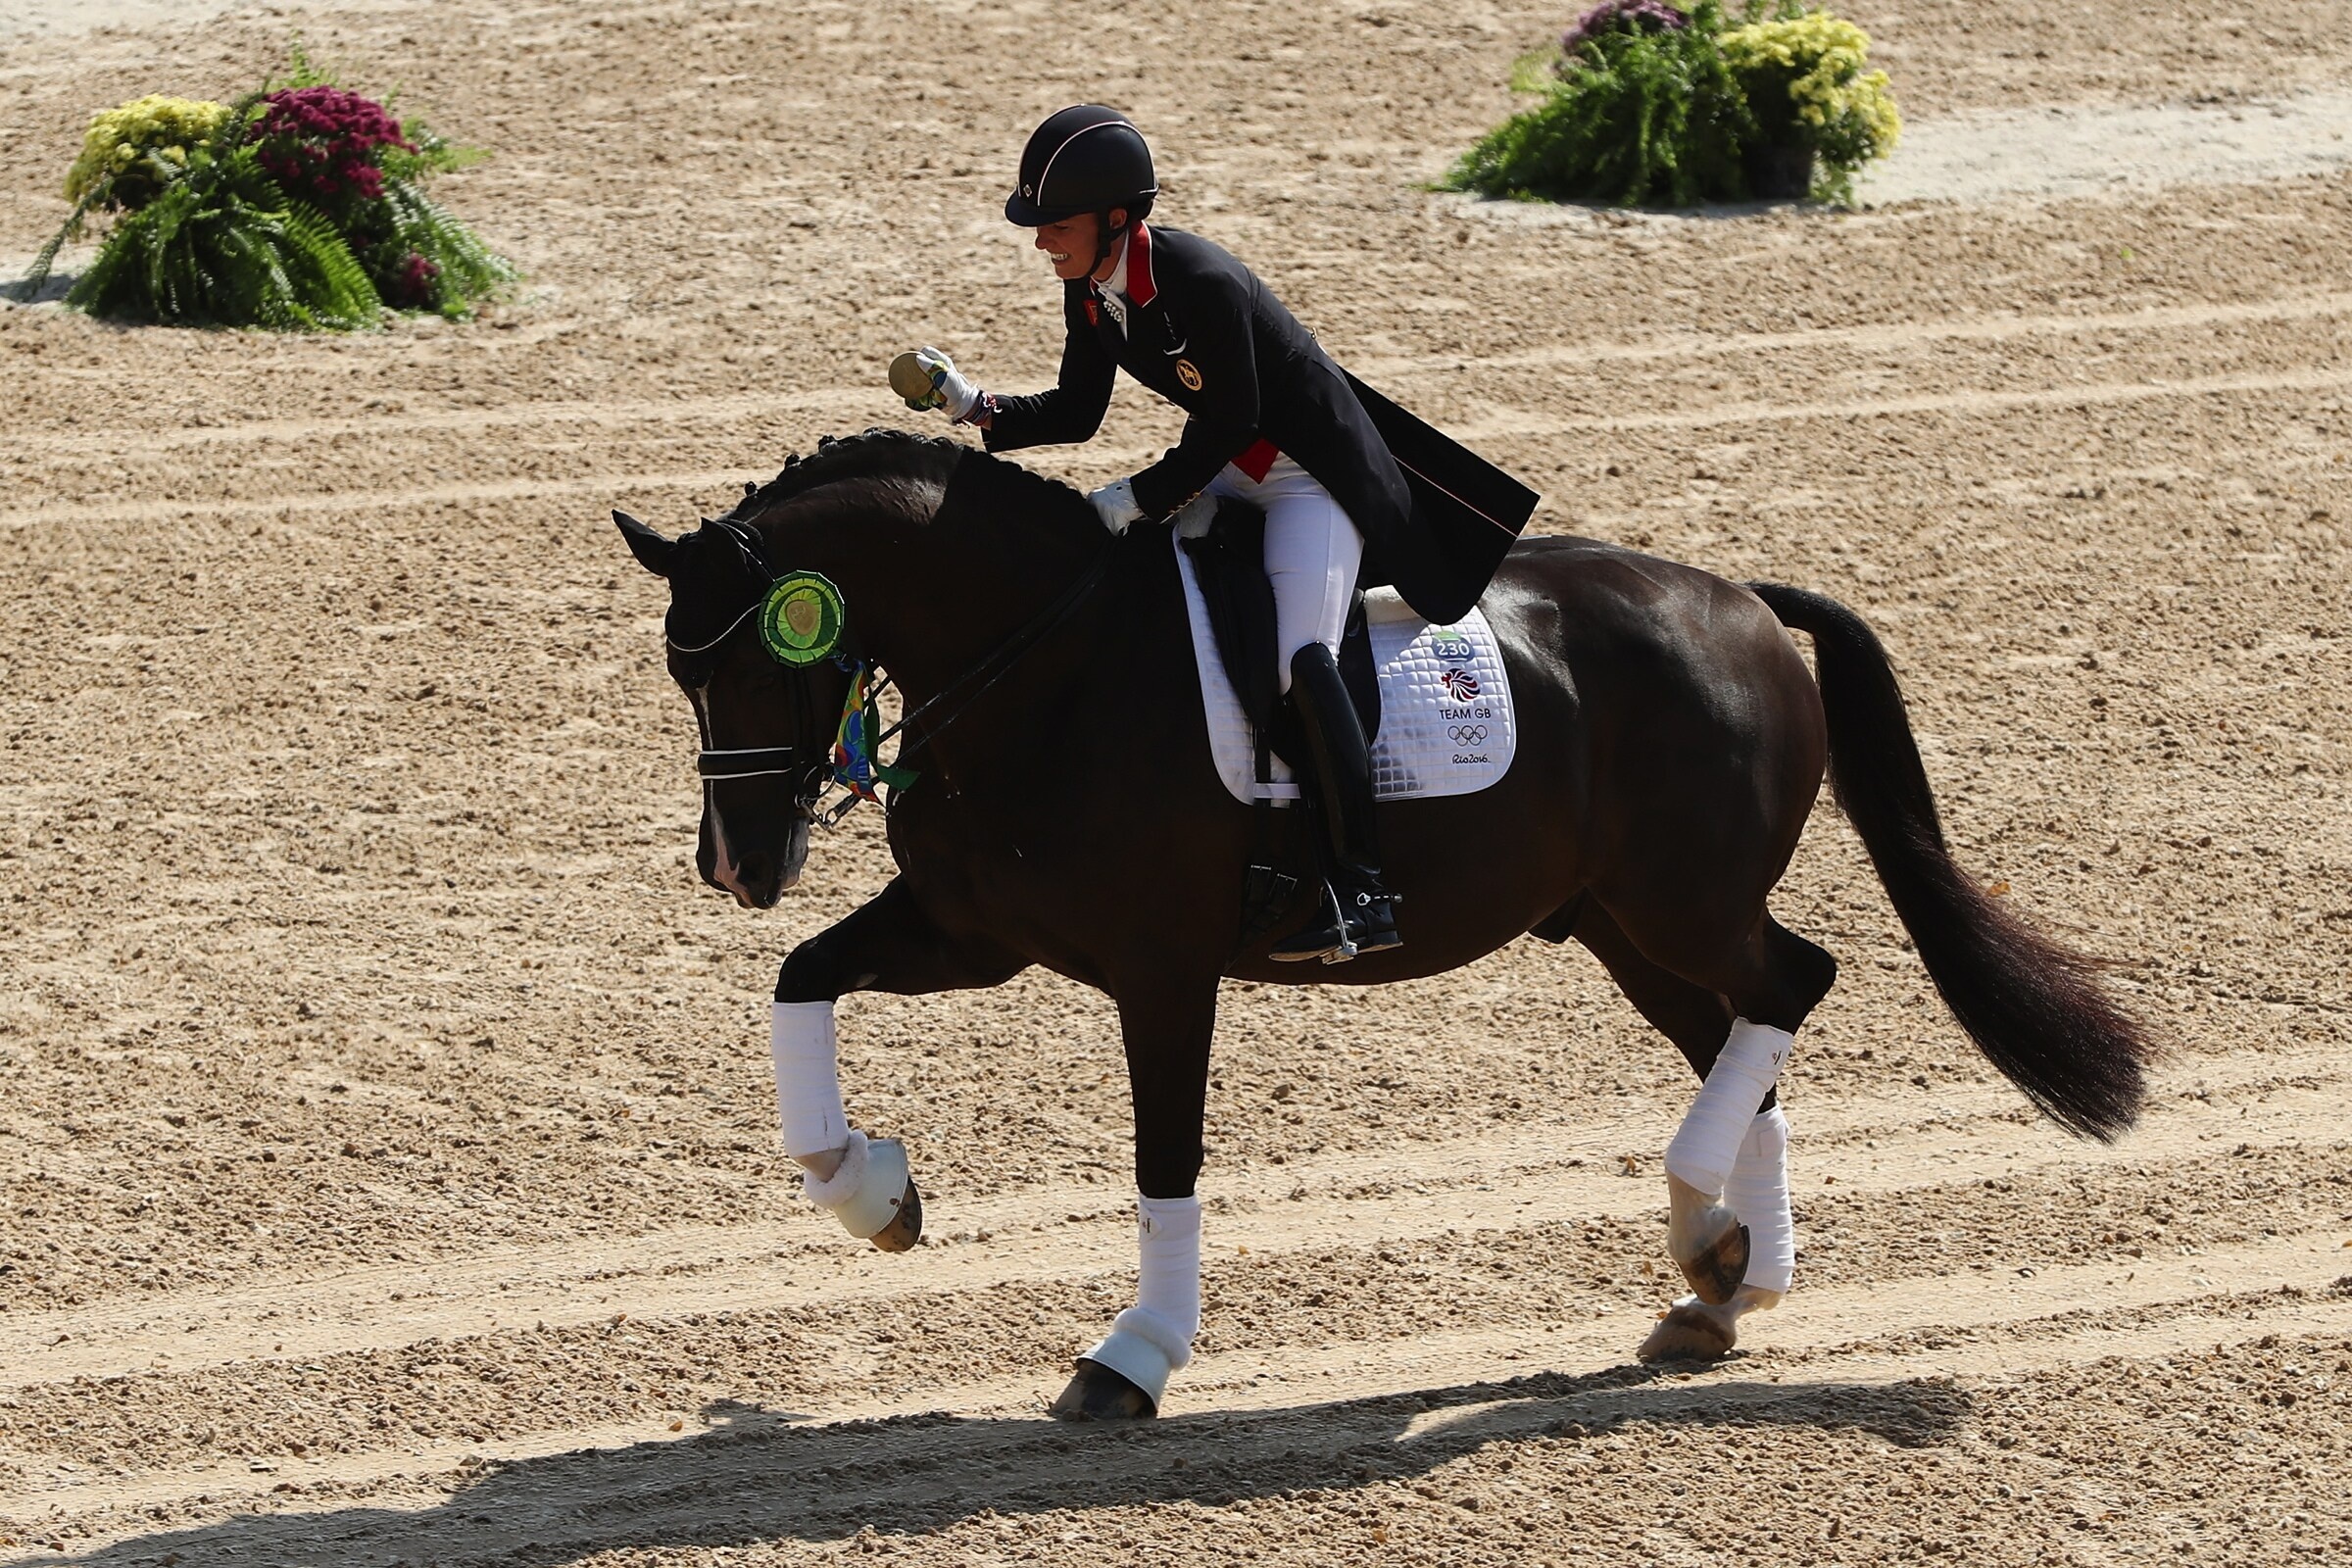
pixel 1758 1193
pixel 808 1107
pixel 1152 1339
pixel 1707 1144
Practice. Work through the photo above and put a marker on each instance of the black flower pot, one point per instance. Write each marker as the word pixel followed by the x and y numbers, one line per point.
pixel 1781 171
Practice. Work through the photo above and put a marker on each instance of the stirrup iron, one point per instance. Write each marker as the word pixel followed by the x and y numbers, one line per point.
pixel 1347 949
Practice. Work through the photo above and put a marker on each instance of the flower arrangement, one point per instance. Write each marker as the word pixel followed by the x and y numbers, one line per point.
pixel 322 141
pixel 299 208
pixel 1644 104
pixel 1805 83
pixel 1623 16
pixel 1638 108
pixel 114 151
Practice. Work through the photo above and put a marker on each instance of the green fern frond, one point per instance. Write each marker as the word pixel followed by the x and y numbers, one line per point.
pixel 26 287
pixel 1640 119
pixel 464 268
pixel 224 247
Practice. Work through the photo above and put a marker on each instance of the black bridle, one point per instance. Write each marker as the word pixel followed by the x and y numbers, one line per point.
pixel 816 762
pixel 810 761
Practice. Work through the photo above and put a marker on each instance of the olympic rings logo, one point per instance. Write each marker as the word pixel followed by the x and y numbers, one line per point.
pixel 1467 734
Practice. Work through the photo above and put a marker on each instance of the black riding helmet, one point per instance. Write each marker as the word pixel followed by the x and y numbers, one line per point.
pixel 1085 159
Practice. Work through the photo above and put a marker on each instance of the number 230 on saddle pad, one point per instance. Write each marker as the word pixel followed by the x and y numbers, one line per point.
pixel 1444 705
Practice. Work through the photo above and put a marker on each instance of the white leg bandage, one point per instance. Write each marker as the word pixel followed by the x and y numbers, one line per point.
pixel 1707 1144
pixel 808 1085
pixel 864 1191
pixel 1152 1339
pixel 1758 1193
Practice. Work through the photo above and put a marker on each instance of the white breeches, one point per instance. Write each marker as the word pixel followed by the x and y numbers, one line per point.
pixel 1313 552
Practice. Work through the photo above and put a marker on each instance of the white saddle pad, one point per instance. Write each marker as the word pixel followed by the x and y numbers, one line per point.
pixel 1445 703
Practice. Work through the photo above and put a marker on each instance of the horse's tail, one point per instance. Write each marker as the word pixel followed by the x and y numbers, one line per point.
pixel 2034 1007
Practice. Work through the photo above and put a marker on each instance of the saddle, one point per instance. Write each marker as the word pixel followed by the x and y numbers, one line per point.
pixel 1230 562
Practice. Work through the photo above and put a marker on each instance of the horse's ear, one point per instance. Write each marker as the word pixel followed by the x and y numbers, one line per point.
pixel 653 552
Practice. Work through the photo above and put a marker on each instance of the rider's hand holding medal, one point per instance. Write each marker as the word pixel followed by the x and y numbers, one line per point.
pixel 925 378
pixel 928 379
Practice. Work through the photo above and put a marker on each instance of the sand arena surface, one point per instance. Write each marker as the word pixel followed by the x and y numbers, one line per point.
pixel 390 1172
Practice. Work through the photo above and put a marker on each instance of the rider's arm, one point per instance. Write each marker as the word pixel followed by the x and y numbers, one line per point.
pixel 1071 411
pixel 1217 345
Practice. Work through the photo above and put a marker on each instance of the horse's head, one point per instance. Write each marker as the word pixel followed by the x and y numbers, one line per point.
pixel 752 648
pixel 946 552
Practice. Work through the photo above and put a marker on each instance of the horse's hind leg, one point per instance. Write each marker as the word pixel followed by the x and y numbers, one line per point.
pixel 1735 1267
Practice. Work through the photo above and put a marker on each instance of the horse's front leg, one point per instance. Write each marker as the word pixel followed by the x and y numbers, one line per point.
pixel 889 944
pixel 1167 1032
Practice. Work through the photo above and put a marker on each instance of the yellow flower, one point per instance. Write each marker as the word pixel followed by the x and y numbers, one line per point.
pixel 117 137
pixel 1822 59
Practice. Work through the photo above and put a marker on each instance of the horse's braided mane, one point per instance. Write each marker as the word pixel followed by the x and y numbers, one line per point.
pixel 884 453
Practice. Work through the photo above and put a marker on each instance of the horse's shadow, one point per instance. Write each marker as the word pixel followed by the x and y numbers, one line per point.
pixel 755 1476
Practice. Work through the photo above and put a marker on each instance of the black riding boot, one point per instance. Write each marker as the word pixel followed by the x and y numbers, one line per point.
pixel 1357 916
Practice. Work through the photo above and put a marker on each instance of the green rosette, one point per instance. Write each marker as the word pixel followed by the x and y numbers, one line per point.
pixel 802 620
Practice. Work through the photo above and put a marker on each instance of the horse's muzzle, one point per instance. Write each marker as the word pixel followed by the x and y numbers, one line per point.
pixel 757 876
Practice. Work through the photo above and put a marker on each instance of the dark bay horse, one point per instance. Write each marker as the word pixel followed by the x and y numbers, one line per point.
pixel 1068 815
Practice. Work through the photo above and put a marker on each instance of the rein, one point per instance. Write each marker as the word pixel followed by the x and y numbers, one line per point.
pixel 854 764
pixel 1006 653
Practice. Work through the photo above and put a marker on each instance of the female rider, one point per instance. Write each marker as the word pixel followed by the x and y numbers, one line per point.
pixel 1272 419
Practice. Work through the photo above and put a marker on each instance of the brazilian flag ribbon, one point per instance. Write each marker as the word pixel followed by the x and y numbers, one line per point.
pixel 855 768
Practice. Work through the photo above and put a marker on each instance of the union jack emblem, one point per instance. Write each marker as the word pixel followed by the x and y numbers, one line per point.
pixel 1459 684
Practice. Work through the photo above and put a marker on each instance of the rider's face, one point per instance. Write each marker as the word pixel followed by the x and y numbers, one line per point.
pixel 1070 244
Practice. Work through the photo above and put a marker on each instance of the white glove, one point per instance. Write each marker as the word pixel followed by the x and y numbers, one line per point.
pixel 929 380
pixel 1194 517
pixel 1115 505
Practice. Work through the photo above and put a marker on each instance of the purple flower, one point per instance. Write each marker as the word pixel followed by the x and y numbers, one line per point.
pixel 416 286
pixel 1632 16
pixel 327 139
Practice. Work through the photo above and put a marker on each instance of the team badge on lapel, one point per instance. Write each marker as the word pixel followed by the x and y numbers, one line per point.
pixel 1094 314
pixel 1189 374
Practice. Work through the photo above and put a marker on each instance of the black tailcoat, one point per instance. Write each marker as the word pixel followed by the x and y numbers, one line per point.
pixel 1205 334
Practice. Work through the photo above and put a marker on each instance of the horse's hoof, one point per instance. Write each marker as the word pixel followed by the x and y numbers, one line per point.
pixel 907 1228
pixel 1716 1273
pixel 1097 1394
pixel 1689 1332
